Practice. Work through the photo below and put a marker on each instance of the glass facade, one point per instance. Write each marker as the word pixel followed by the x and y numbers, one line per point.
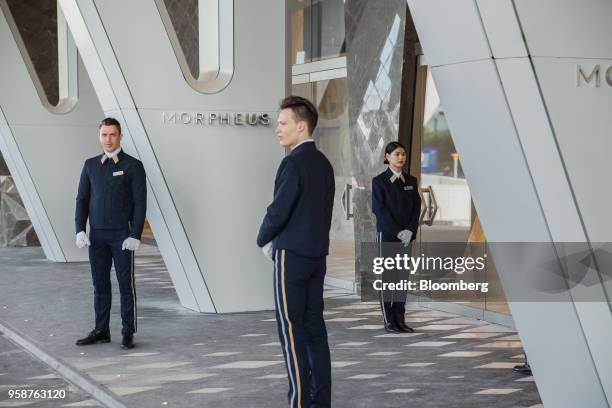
pixel 15 226
pixel 446 190
pixel 441 174
pixel 317 30
pixel 332 138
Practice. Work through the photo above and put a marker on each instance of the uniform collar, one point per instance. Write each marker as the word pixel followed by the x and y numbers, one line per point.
pixel 392 177
pixel 112 155
pixel 304 142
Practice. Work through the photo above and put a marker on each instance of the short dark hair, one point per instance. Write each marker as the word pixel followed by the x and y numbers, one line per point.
pixel 391 148
pixel 110 122
pixel 302 109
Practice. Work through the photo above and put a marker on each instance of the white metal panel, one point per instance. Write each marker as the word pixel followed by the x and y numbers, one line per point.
pixel 488 149
pixel 156 64
pixel 34 136
pixel 215 44
pixel 330 63
pixel 450 31
pixel 300 79
pixel 557 200
pixel 111 93
pixel 581 118
pixel 27 192
pixel 221 189
pixel 210 206
pixel 508 206
pixel 541 151
pixel 502 28
pixel 567 28
pixel 24 105
pixel 164 220
pixel 110 85
pixel 329 74
pixel 56 169
pixel 14 160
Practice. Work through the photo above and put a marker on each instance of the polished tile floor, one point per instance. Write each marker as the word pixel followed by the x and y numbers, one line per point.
pixel 186 359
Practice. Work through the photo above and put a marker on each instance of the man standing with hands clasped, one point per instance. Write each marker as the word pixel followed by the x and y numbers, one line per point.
pixel 113 195
pixel 295 235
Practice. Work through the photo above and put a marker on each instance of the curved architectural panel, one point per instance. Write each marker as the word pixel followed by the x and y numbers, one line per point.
pixel 116 99
pixel 206 155
pixel 59 91
pixel 184 15
pixel 45 177
pixel 523 120
pixel 215 45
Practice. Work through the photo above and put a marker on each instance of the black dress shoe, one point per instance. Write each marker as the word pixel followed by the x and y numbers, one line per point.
pixel 127 342
pixel 404 328
pixel 94 337
pixel 391 328
pixel 522 369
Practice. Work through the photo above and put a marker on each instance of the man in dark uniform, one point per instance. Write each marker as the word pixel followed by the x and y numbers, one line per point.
pixel 295 235
pixel 113 195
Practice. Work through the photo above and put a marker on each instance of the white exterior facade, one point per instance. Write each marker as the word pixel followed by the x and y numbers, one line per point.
pixel 208 185
pixel 527 90
pixel 533 140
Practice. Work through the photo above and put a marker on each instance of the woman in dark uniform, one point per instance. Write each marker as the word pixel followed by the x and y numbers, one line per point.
pixel 397 205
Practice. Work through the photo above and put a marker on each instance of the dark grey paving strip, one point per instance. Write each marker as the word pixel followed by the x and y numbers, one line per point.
pixel 65 370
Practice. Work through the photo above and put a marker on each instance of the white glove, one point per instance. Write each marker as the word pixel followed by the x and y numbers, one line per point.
pixel 268 251
pixel 81 240
pixel 131 244
pixel 405 236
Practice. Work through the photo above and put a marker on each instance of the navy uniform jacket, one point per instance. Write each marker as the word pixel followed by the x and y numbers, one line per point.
pixel 299 217
pixel 113 195
pixel 396 204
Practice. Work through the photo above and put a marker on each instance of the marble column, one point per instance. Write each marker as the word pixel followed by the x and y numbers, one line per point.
pixel 375 34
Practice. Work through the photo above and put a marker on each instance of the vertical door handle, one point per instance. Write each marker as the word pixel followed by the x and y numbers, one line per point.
pixel 346 202
pixel 429 205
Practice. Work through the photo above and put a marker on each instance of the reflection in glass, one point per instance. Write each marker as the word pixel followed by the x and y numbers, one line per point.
pixel 456 219
pixel 441 171
pixel 317 30
pixel 376 106
pixel 439 153
pixel 332 138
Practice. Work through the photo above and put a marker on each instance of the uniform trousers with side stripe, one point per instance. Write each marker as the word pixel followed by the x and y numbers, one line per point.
pixel 298 292
pixel 105 250
pixel 393 303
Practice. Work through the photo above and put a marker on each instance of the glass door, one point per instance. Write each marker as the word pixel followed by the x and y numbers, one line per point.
pixel 318 73
pixel 448 216
pixel 332 138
